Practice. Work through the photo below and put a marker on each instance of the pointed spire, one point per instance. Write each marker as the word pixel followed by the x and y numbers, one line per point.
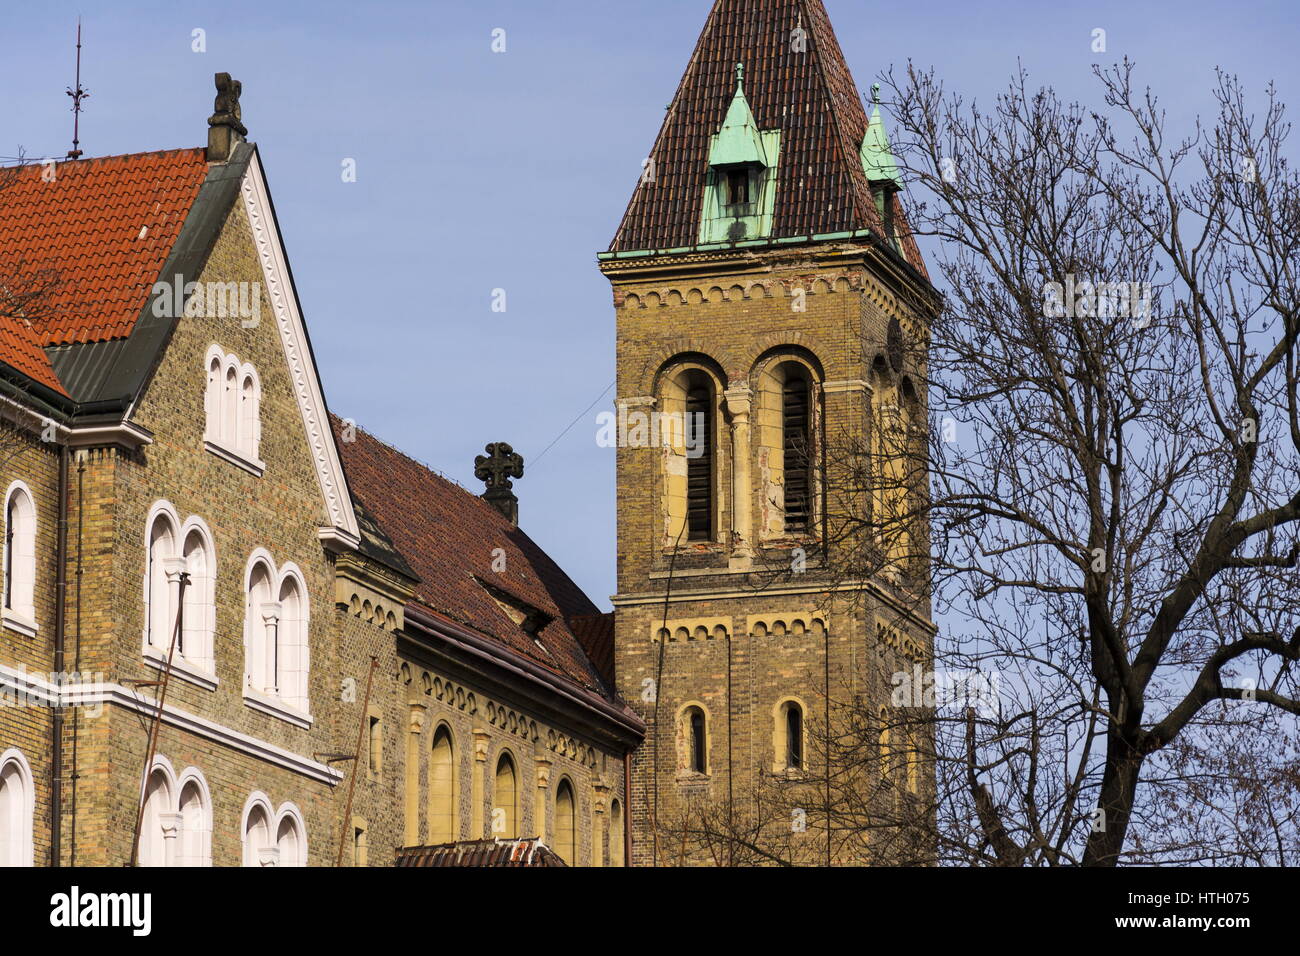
pixel 738 140
pixel 877 156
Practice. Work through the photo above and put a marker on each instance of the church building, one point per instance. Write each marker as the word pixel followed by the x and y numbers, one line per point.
pixel 238 629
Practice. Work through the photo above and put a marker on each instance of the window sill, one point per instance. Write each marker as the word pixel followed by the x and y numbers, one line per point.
pixel 251 465
pixel 187 671
pixel 20 623
pixel 267 704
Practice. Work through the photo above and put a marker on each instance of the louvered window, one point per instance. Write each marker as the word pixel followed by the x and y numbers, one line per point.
pixel 699 463
pixel 796 431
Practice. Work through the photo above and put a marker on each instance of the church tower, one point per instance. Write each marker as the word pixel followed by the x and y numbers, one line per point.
pixel 771 343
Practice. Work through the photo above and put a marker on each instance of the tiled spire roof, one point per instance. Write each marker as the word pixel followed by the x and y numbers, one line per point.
pixel 795 80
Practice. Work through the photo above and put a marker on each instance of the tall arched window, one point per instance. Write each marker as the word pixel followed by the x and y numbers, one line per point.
pixel 699 429
pixel 616 835
pixel 159 826
pixel 566 824
pixel 259 848
pixel 230 408
pixel 20 559
pixel 195 824
pixel 796 432
pixel 687 423
pixel 886 747
pixel 790 736
pixel 261 619
pixel 505 800
pixel 290 838
pixel 17 799
pixel 200 618
pixel 442 789
pixel 159 608
pixel 694 737
pixel 292 643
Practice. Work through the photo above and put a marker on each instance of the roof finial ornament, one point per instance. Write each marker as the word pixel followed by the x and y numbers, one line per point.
pixel 226 127
pixel 875 93
pixel 496 469
pixel 77 95
pixel 740 75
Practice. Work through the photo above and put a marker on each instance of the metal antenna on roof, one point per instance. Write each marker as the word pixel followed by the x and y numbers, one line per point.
pixel 77 95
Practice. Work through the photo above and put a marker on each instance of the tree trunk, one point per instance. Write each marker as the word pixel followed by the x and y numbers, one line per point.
pixel 1118 789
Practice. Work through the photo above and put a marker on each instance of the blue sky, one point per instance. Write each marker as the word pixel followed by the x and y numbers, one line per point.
pixel 479 171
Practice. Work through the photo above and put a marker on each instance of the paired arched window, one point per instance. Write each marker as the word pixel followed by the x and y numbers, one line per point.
pixel 442 788
pixel 17 805
pixel 505 800
pixel 616 836
pixel 233 406
pixel 180 591
pixel 176 826
pixel 276 633
pixel 273 839
pixel 566 824
pixel 20 559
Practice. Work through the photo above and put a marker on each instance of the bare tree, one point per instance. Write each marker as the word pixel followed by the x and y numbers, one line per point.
pixel 1101 490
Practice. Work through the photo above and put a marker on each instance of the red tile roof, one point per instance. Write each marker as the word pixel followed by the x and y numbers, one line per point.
pixel 810 96
pixel 596 635
pixel 104 227
pixel 450 538
pixel 496 853
pixel 20 350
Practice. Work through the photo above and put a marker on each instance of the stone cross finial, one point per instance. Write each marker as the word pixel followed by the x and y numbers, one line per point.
pixel 495 470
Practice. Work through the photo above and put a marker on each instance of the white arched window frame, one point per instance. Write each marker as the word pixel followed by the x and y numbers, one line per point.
pixel 277 640
pixel 160 821
pixel 232 407
pixel 290 836
pixel 257 833
pixel 195 808
pixel 173 547
pixel 19 612
pixel 17 809
pixel 293 655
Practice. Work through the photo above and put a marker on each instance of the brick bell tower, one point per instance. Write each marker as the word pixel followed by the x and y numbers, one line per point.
pixel 766 289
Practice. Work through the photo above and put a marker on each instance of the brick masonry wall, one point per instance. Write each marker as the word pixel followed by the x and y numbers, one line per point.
pixel 734 313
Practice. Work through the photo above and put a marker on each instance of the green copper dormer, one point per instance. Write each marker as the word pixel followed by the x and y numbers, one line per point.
pixel 740 190
pixel 881 169
pixel 877 156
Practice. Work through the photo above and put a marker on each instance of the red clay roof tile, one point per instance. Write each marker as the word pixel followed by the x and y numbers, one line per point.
pixel 450 538
pixel 105 227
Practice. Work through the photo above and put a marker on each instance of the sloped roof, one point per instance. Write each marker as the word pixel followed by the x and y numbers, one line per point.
pixel 810 96
pixel 104 227
pixel 81 245
pixel 450 538
pixel 494 853
pixel 596 635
